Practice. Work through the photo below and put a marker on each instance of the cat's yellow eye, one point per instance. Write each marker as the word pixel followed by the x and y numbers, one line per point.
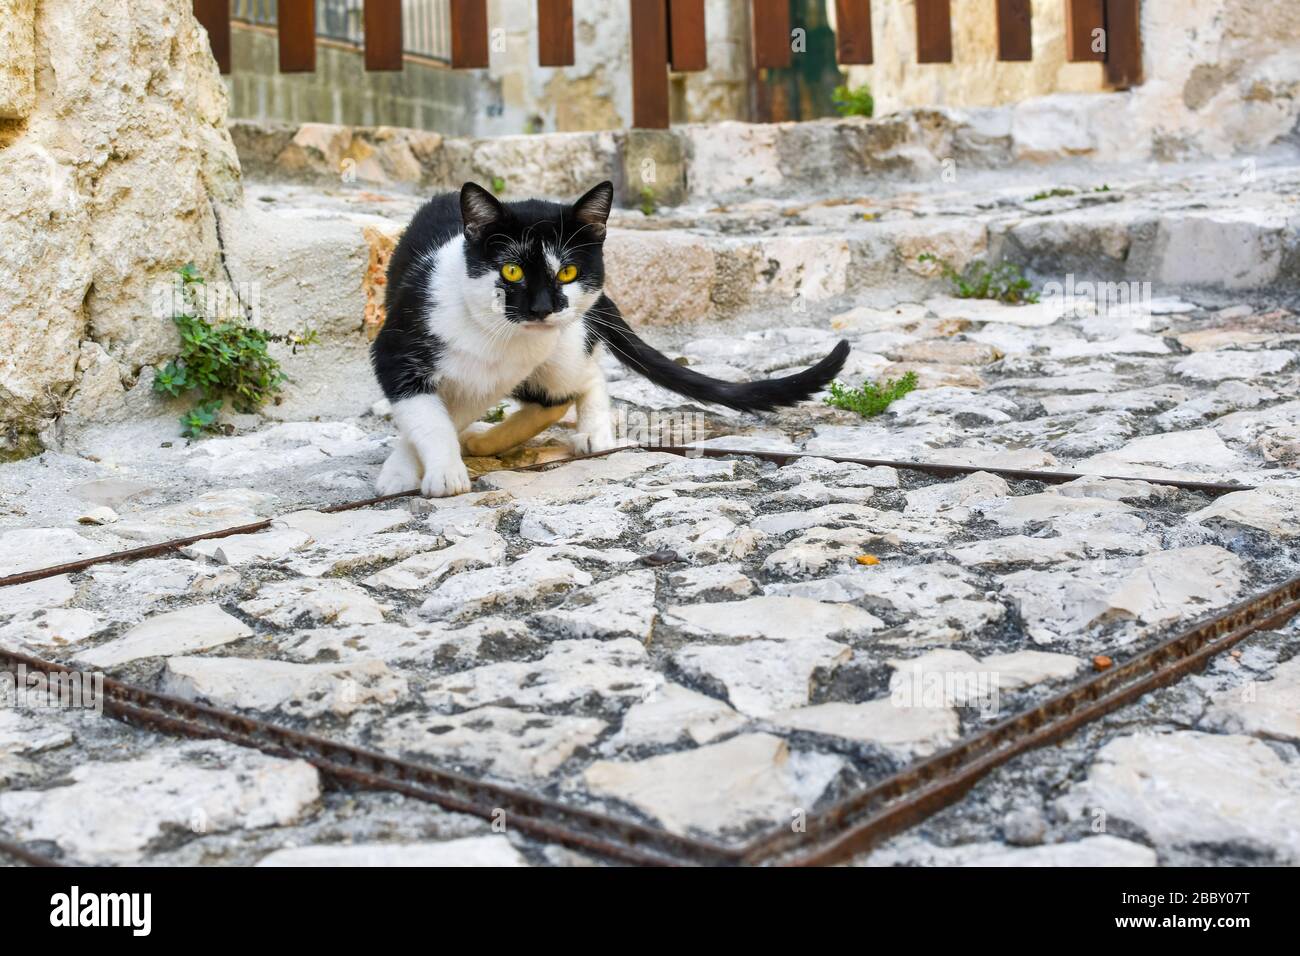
pixel 511 272
pixel 567 274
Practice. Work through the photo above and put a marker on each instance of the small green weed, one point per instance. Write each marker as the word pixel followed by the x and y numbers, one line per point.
pixel 982 281
pixel 854 102
pixel 870 399
pixel 1050 194
pixel 648 203
pixel 495 415
pixel 498 185
pixel 219 361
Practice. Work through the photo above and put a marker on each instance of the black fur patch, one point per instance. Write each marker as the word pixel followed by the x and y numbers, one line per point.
pixel 527 392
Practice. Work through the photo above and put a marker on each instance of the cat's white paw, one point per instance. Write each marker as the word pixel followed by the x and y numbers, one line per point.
pixel 446 479
pixel 589 443
pixel 400 473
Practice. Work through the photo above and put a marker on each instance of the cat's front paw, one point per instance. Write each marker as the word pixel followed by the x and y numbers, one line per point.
pixel 444 480
pixel 401 472
pixel 589 443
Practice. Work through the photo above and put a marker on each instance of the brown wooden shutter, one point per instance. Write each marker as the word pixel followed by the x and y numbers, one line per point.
pixel 1015 30
pixel 771 30
pixel 469 34
pixel 297 29
pixel 687 43
pixel 649 64
pixel 853 31
pixel 555 32
pixel 383 22
pixel 933 31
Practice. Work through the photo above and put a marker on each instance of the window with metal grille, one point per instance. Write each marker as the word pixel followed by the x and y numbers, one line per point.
pixel 426 24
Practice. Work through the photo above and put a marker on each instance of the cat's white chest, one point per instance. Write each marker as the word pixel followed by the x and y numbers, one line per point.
pixel 484 355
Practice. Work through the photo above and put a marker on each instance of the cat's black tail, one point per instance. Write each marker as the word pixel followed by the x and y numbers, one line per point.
pixel 607 323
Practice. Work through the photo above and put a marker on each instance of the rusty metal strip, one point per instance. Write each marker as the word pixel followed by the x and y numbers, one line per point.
pixel 780 458
pixel 862 820
pixel 24 855
pixel 346 765
pixel 949 471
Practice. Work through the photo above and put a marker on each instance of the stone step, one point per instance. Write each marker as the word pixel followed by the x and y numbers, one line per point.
pixel 317 256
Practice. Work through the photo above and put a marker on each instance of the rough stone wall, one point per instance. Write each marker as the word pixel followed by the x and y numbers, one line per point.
pixel 975 77
pixel 1221 76
pixel 109 171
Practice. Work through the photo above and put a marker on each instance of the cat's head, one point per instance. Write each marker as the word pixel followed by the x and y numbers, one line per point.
pixel 542 261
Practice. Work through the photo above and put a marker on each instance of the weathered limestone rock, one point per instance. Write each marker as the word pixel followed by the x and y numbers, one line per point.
pixel 280 446
pixel 240 549
pixel 294 603
pixel 499 740
pixel 665 279
pixel 491 851
pixel 213 511
pixel 463 595
pixel 110 812
pixel 480 550
pixel 175 632
pixel 132 588
pixel 569 671
pixel 572 524
pixel 774 618
pixel 672 713
pixel 938 600
pixel 915 730
pixel 722 786
pixel 763 677
pixel 1160 587
pixel 114 176
pixel 402 644
pixel 980 486
pixel 727 577
pixel 307 690
pixel 1275 510
pixel 28 549
pixel 1103 850
pixel 622 605
pixel 1267 708
pixel 38 596
pixel 1188 787
pixel 56 627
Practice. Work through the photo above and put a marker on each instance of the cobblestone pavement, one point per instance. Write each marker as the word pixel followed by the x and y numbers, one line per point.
pixel 791 652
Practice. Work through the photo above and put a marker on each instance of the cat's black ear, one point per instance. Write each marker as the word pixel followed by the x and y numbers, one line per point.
pixel 478 210
pixel 592 210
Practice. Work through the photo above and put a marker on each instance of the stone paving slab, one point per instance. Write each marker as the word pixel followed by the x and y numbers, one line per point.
pixel 567 666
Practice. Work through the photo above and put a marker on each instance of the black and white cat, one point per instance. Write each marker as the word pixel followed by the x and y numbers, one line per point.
pixel 488 299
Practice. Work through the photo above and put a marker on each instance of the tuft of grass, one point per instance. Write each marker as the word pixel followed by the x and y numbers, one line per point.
pixel 648 202
pixel 1051 193
pixel 495 415
pixel 220 361
pixel 498 185
pixel 854 102
pixel 979 280
pixel 870 399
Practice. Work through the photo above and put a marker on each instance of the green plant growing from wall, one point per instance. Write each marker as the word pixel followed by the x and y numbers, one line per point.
pixel 979 280
pixel 219 361
pixel 854 102
pixel 648 203
pixel 870 399
pixel 498 185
